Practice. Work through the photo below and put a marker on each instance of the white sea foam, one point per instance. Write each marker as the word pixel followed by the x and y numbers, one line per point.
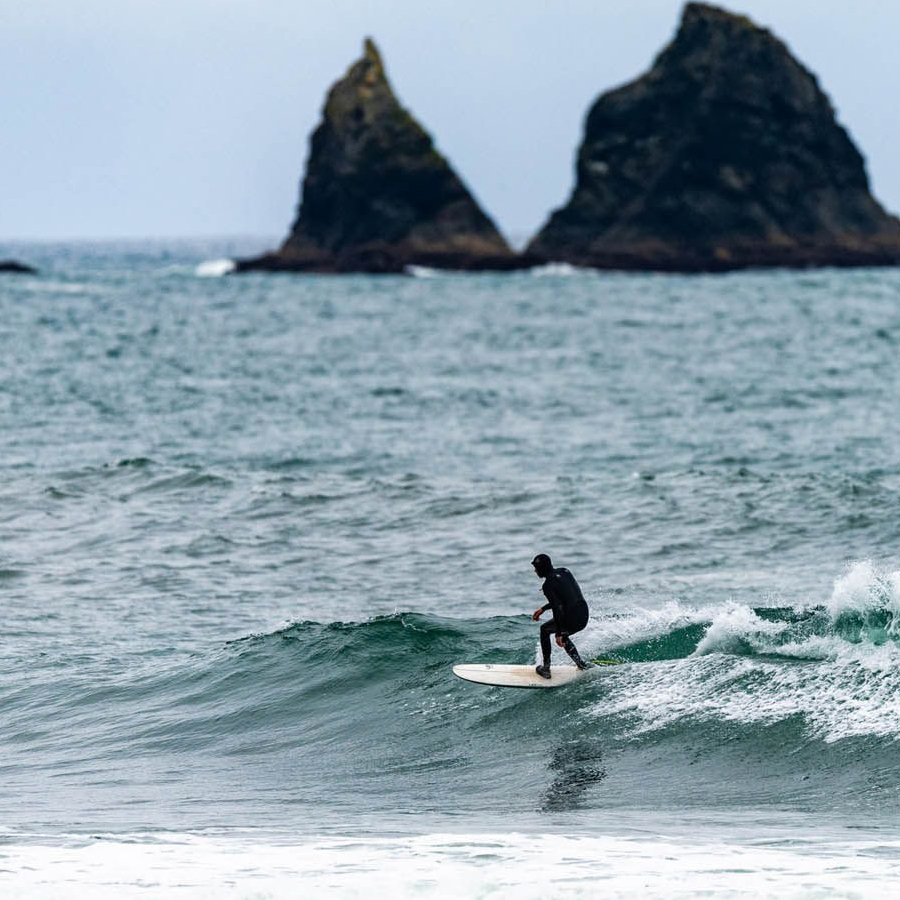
pixel 836 700
pixel 423 272
pixel 736 625
pixel 556 269
pixel 489 866
pixel 750 669
pixel 215 268
pixel 642 624
pixel 863 588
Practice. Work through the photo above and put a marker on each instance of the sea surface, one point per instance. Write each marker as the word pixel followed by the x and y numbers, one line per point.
pixel 248 523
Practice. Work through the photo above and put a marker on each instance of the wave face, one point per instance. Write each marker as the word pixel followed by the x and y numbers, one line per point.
pixel 727 706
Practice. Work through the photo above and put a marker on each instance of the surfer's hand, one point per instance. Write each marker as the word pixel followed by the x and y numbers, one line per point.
pixel 560 639
pixel 537 614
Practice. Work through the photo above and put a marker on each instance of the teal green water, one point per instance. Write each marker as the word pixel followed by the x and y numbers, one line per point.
pixel 248 524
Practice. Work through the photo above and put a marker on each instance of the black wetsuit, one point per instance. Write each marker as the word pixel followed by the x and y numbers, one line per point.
pixel 570 612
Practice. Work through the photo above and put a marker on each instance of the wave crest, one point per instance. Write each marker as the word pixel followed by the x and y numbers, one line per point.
pixel 865 604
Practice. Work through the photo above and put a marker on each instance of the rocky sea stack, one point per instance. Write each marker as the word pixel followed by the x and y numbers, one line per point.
pixel 725 155
pixel 377 195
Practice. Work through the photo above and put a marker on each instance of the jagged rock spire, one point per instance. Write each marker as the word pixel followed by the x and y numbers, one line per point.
pixel 377 195
pixel 725 154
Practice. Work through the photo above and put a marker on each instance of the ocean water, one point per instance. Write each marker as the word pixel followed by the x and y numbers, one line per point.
pixel 248 523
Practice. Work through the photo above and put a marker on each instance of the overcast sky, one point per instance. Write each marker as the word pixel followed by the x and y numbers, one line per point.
pixel 132 118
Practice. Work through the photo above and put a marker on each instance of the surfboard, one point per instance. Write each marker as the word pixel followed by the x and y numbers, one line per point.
pixel 502 675
pixel 517 676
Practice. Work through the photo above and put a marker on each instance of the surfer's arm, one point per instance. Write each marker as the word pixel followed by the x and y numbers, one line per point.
pixel 539 612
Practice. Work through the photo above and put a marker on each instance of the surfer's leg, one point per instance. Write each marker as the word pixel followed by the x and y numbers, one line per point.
pixel 546 630
pixel 571 649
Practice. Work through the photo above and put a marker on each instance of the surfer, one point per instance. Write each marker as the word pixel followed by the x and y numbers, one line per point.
pixel 570 611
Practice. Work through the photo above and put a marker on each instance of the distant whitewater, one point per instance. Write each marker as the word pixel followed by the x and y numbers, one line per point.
pixel 215 268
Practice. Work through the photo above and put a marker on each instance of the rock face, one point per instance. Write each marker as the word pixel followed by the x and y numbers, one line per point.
pixel 726 154
pixel 10 265
pixel 377 195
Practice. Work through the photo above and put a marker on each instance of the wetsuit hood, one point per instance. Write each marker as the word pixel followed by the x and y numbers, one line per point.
pixel 542 565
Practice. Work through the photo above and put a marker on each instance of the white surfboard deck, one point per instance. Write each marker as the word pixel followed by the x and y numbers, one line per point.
pixel 502 675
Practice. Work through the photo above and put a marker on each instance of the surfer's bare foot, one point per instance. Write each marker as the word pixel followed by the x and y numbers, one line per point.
pixel 543 671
